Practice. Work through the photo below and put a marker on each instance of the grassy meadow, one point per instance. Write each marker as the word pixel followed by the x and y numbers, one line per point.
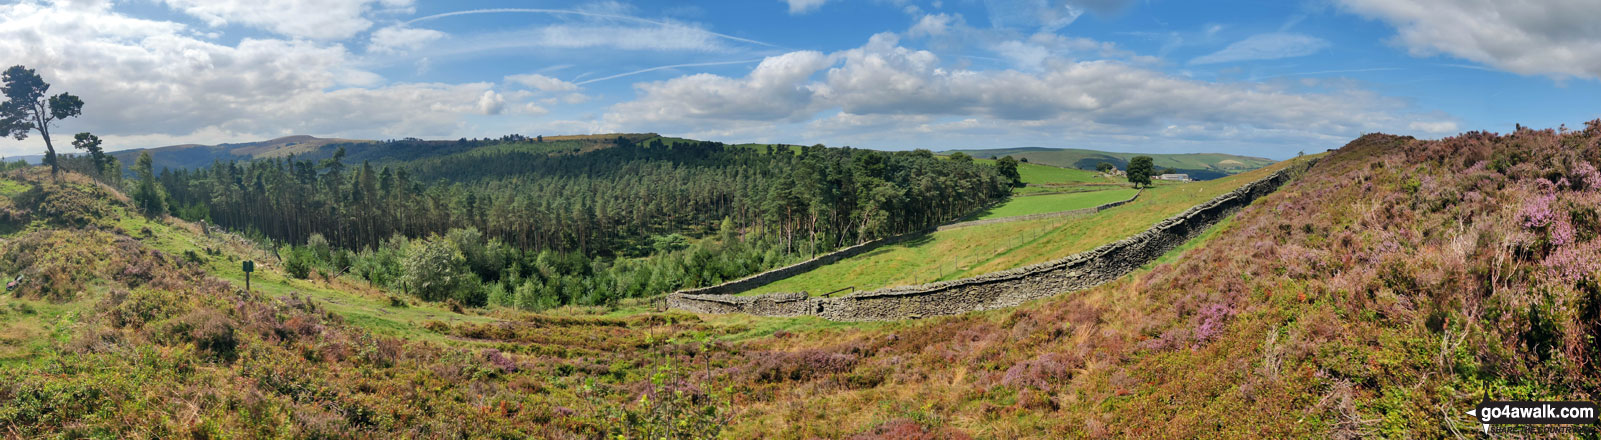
pixel 1381 294
pixel 1044 203
pixel 965 252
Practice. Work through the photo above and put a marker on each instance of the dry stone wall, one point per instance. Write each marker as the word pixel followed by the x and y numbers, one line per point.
pixel 762 279
pixel 999 289
pixel 768 277
pixel 1019 218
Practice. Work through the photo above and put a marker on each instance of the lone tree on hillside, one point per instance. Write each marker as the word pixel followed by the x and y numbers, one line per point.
pixel 97 156
pixel 1105 167
pixel 1008 168
pixel 147 195
pixel 27 109
pixel 1139 170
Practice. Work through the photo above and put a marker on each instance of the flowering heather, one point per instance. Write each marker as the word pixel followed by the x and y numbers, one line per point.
pixel 494 357
pixel 1393 284
pixel 1042 372
pixel 1586 174
pixel 1210 321
pixel 1537 212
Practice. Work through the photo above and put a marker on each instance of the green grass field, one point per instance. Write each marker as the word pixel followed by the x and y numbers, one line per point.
pixel 1036 174
pixel 1056 202
pixel 1080 158
pixel 1046 179
pixel 965 252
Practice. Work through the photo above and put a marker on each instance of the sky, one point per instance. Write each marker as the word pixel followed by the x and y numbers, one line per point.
pixel 1261 78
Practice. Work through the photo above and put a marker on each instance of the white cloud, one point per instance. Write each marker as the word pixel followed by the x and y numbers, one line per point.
pixel 396 39
pixel 491 103
pixel 533 109
pixel 882 90
pixel 1270 46
pixel 316 19
pixel 1041 49
pixel 777 89
pixel 1045 15
pixel 609 12
pixel 951 33
pixel 932 25
pixel 1100 6
pixel 1556 38
pixel 625 37
pixel 587 36
pixel 542 83
pixel 1024 55
pixel 804 6
pixel 1434 127
pixel 146 80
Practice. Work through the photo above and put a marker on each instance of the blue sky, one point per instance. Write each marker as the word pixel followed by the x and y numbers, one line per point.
pixel 1264 78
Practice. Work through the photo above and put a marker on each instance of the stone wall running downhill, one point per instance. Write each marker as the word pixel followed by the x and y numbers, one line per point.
pixel 1000 289
pixel 1018 218
pixel 770 276
pixel 764 278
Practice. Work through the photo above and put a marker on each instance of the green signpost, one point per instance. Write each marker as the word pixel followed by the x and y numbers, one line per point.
pixel 249 266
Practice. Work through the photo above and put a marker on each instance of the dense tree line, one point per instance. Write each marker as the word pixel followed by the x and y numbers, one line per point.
pixel 543 229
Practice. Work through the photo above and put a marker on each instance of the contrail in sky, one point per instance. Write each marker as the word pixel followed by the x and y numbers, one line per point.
pixel 585 14
pixel 674 66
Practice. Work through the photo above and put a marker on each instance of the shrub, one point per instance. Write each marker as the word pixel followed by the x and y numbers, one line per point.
pixel 297 262
pixel 800 366
pixel 210 331
pixel 498 360
pixel 435 271
pixel 907 429
pixel 1043 372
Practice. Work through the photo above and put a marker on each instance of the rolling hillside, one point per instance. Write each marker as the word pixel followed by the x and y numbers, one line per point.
pixel 1200 166
pixel 965 252
pixel 191 156
pixel 1382 294
pixel 194 155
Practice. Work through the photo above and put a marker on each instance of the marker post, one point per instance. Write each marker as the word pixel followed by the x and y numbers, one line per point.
pixel 249 266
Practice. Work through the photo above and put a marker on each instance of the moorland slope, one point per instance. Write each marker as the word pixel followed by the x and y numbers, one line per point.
pixel 1384 293
pixel 1203 166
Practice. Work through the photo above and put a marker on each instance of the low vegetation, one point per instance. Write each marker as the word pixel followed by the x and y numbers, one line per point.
pixel 1381 294
pixel 965 252
pixel 533 228
pixel 1041 204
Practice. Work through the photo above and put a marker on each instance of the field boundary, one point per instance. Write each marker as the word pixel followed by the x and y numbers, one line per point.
pixel 1005 288
pixel 770 276
pixel 774 275
pixel 1018 218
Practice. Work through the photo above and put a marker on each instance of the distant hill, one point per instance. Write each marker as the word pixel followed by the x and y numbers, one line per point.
pixel 1200 166
pixel 195 155
pixel 356 151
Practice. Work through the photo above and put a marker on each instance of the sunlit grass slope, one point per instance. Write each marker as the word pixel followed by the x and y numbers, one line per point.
pixel 965 252
pixel 1380 295
pixel 1056 202
pixel 132 327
